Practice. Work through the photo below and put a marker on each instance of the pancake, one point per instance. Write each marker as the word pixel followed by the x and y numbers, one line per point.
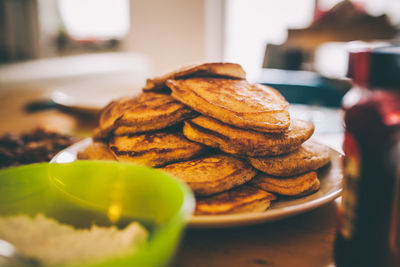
pixel 96 151
pixel 237 141
pixel 309 157
pixel 234 102
pixel 145 112
pixel 100 135
pixel 212 174
pixel 204 70
pixel 300 185
pixel 130 130
pixel 154 149
pixel 242 199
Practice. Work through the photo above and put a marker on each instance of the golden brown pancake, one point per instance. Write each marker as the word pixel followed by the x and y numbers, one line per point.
pixel 212 174
pixel 204 70
pixel 237 141
pixel 234 102
pixel 242 199
pixel 312 189
pixel 309 157
pixel 145 112
pixel 99 135
pixel 97 151
pixel 154 149
pixel 290 186
pixel 130 130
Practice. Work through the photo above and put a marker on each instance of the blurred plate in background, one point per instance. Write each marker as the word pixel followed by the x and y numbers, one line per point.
pixel 93 95
pixel 87 81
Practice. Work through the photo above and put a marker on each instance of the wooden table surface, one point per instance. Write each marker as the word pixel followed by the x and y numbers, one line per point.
pixel 303 240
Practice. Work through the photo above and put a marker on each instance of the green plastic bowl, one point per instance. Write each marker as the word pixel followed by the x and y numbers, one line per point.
pixel 85 192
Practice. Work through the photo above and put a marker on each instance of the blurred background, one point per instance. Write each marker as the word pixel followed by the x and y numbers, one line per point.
pixel 257 33
pixel 111 46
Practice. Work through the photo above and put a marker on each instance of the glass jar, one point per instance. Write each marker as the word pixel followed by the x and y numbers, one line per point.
pixel 368 218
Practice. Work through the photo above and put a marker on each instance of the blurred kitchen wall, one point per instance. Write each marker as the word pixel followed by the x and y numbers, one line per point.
pixel 176 32
pixel 19 29
pixel 171 33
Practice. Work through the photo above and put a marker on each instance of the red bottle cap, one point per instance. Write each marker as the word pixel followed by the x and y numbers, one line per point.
pixel 375 67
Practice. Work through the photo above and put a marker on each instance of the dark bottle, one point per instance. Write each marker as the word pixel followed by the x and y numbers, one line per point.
pixel 368 219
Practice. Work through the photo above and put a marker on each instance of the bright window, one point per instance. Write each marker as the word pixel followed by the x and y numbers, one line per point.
pixel 97 19
pixel 250 25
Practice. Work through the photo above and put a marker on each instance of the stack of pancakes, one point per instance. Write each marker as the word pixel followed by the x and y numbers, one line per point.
pixel 231 141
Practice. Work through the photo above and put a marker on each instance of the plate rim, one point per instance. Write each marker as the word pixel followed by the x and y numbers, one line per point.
pixel 230 220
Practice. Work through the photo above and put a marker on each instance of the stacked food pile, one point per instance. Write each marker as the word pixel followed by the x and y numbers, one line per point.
pixel 236 148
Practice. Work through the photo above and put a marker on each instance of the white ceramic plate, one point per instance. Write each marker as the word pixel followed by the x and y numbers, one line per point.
pixel 331 187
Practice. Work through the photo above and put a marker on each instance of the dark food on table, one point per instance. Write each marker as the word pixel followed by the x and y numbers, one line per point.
pixel 35 146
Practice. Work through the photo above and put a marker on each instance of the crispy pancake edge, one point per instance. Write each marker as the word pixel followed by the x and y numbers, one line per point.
pixel 288 165
pixel 162 123
pixel 295 186
pixel 244 142
pixel 156 156
pixel 238 200
pixel 96 151
pixel 121 113
pixel 223 69
pixel 276 121
pixel 235 178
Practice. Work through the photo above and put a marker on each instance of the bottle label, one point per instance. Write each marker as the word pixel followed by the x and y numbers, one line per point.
pixel 351 185
pixel 394 232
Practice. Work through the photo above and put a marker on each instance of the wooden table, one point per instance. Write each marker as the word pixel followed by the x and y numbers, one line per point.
pixel 303 240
